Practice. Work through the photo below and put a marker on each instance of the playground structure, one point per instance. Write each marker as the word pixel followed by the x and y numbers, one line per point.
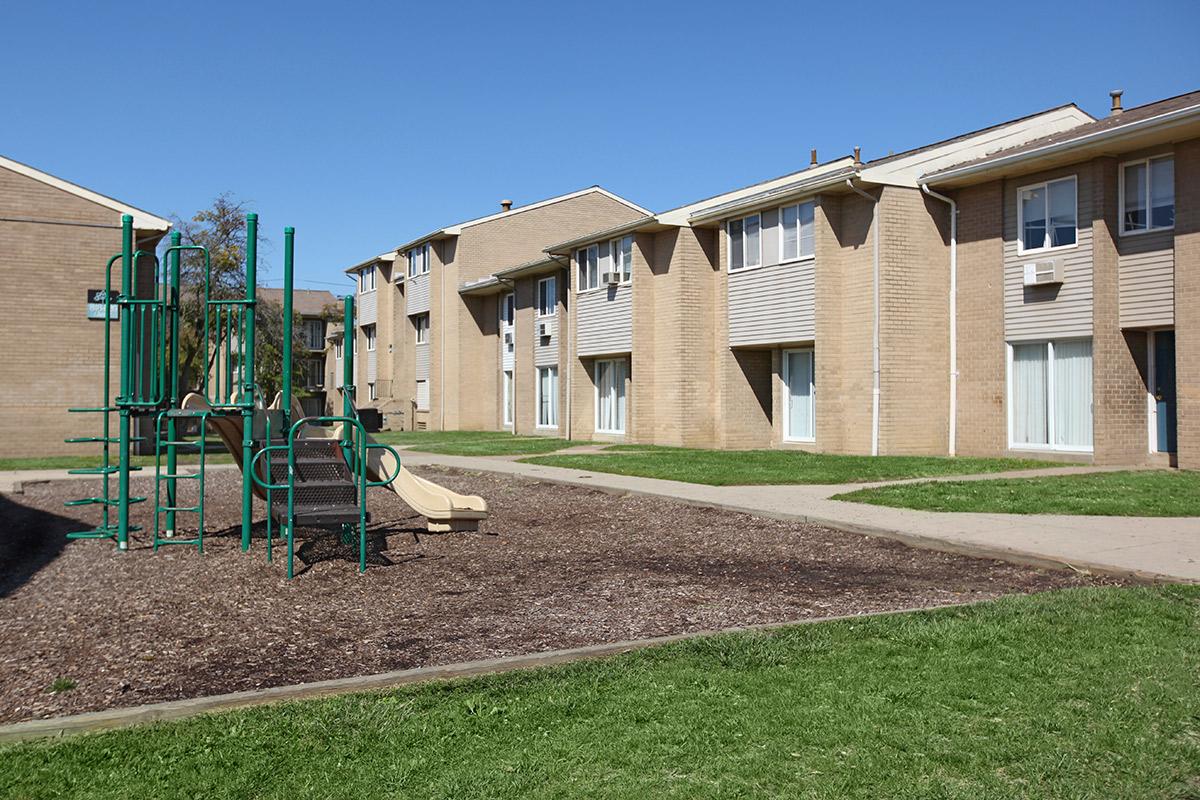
pixel 310 472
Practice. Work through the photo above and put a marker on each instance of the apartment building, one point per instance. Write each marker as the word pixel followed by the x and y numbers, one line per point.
pixel 1078 255
pixel 311 311
pixel 460 328
pixel 1009 291
pixel 55 238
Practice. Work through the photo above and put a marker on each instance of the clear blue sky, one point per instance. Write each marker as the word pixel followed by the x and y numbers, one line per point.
pixel 364 126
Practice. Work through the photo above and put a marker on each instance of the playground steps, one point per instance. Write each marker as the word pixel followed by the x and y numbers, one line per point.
pixel 325 494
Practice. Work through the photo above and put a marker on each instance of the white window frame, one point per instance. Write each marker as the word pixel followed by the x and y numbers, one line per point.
pixel 537 394
pixel 612 363
pixel 1051 431
pixel 507 319
pixel 417 397
pixel 552 280
pixel 625 270
pixel 363 275
pixel 800 256
pixel 370 333
pixel 1021 250
pixel 421 332
pixel 583 266
pixel 418 260
pixel 506 389
pixel 788 436
pixel 1150 227
pixel 745 253
pixel 337 349
pixel 371 395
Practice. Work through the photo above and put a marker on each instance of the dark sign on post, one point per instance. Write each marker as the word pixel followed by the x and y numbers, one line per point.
pixel 95 305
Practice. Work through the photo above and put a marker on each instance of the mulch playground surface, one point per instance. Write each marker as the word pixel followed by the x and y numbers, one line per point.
pixel 554 567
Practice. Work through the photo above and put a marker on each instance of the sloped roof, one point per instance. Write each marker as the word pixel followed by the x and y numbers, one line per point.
pixel 306 302
pixel 142 220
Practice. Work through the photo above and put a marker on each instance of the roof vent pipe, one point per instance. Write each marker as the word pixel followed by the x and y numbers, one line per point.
pixel 1115 94
pixel 812 159
pixel 506 205
pixel 858 156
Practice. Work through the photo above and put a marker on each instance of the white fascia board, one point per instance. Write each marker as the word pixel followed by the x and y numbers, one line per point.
pixel 681 217
pixel 907 171
pixel 142 220
pixel 454 230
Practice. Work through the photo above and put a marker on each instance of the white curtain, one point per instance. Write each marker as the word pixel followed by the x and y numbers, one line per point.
pixel 610 396
pixel 1029 395
pixel 799 373
pixel 548 396
pixel 1073 393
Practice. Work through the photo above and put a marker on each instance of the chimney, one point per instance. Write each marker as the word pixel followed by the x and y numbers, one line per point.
pixel 1115 94
pixel 858 156
pixel 812 159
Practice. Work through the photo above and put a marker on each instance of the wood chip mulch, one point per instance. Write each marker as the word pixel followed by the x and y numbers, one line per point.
pixel 554 567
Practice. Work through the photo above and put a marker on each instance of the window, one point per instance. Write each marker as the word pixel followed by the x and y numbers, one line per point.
pixel 508 397
pixel 366 280
pixel 421 325
pixel 547 297
pixel 313 334
pixel 312 373
pixel 508 311
pixel 1046 215
pixel 588 259
pixel 610 396
pixel 337 349
pixel 371 391
pixel 745 242
pixel 1148 183
pixel 622 252
pixel 547 397
pixel 1050 395
pixel 355 345
pixel 796 231
pixel 799 379
pixel 418 260
pixel 369 332
pixel 422 395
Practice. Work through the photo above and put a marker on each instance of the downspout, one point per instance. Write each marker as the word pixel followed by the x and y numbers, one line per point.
pixel 874 315
pixel 441 340
pixel 953 434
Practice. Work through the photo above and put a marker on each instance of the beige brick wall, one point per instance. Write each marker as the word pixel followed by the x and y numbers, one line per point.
pixel 982 424
pixel 1187 300
pixel 54 360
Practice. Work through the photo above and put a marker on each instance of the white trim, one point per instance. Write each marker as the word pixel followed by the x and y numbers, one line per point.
pixel 580 286
pixel 371 334
pixel 454 230
pixel 799 231
pixel 1149 210
pixel 812 393
pixel 416 318
pixel 537 396
pixel 614 246
pixel 142 220
pixel 1050 446
pixel 507 410
pixel 362 273
pixel 1151 400
pixel 729 244
pixel 422 265
pixel 1074 178
pixel 613 362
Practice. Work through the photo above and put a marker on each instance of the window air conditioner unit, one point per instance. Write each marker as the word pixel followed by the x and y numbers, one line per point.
pixel 610 278
pixel 1044 273
pixel 544 330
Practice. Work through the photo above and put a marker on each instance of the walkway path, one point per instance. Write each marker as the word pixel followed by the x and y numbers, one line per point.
pixel 1155 547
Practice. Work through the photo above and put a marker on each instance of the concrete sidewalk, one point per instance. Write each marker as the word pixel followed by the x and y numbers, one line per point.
pixel 1147 547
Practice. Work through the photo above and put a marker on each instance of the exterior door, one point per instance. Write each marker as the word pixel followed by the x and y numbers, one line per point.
pixel 1164 390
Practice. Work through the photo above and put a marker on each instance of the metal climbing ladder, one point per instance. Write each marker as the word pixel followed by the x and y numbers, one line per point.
pixel 167 443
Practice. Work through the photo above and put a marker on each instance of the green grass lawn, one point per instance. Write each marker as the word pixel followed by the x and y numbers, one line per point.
pixel 474 443
pixel 733 467
pixel 1156 493
pixel 1087 693
pixel 75 462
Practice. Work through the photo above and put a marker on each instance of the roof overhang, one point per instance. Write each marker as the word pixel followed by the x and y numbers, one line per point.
pixel 387 257
pixel 648 222
pixel 796 189
pixel 538 266
pixel 1170 126
pixel 484 286
pixel 142 220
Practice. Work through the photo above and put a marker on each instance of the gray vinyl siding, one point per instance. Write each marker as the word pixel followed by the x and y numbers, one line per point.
pixel 421 361
pixel 417 295
pixel 605 321
pixel 1049 312
pixel 772 305
pixel 545 350
pixel 1146 266
pixel 367 313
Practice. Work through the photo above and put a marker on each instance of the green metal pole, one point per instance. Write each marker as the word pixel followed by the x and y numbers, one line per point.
pixel 247 359
pixel 127 350
pixel 289 244
pixel 173 367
